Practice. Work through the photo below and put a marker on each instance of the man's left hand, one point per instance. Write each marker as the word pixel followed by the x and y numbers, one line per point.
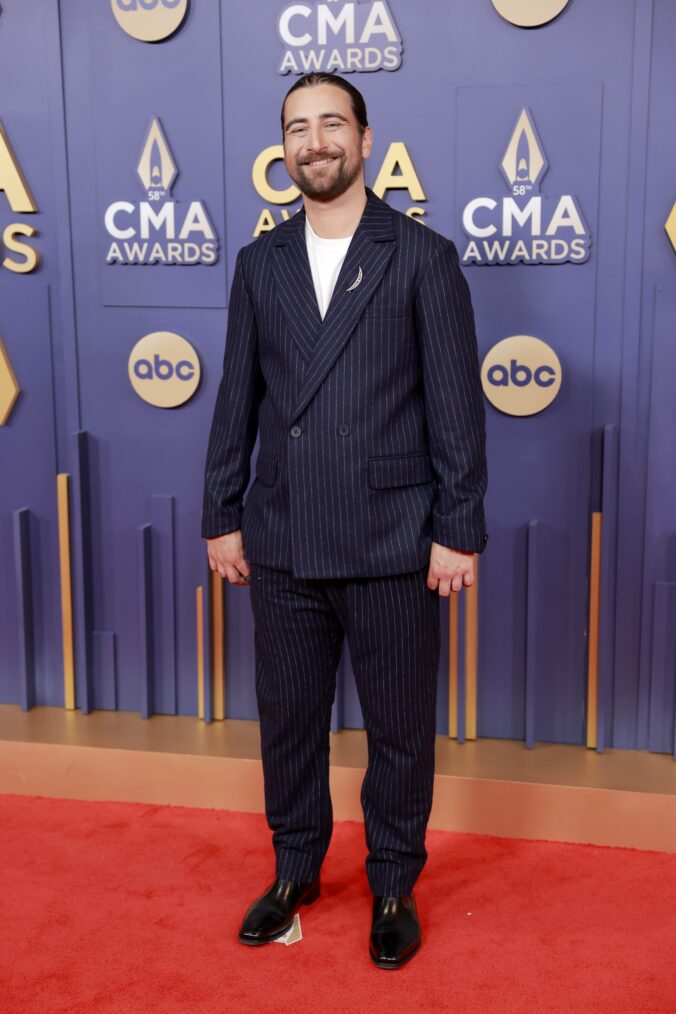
pixel 449 569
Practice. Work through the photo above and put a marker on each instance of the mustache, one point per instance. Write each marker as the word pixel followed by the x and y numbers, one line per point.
pixel 309 159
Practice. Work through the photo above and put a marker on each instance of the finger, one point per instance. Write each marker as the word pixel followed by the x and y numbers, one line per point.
pixel 468 580
pixel 456 583
pixel 233 574
pixel 444 588
pixel 432 580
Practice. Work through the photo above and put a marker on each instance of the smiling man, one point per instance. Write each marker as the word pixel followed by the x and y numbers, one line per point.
pixel 351 351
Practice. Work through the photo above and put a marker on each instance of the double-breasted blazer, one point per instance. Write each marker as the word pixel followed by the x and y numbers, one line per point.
pixel 371 422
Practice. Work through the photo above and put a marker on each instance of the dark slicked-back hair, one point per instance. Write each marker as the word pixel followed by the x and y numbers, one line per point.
pixel 323 77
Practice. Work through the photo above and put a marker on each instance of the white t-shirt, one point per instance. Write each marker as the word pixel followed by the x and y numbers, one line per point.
pixel 326 258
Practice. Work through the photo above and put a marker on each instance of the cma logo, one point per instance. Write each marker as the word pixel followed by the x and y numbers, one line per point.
pixel 343 37
pixel 159 230
pixel 15 254
pixel 525 226
pixel 521 375
pixel 149 20
pixel 164 369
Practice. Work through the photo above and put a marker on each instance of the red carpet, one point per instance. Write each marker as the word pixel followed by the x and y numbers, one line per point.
pixel 123 907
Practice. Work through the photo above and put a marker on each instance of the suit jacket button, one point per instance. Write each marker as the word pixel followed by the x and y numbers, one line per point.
pixel 295 431
pixel 343 429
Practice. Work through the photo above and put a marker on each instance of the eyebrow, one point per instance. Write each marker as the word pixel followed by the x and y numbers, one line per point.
pixel 322 116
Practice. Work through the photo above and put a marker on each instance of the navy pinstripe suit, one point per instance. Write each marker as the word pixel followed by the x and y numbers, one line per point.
pixel 372 444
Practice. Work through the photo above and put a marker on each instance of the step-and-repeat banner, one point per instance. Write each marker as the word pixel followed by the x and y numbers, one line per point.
pixel 140 148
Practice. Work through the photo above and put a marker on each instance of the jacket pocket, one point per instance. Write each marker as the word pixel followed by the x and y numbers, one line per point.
pixel 400 470
pixel 266 468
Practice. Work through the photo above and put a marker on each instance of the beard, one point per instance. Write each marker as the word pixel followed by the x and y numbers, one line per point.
pixel 327 184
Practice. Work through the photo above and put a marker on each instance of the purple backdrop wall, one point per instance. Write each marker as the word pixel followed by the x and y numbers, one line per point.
pixel 77 95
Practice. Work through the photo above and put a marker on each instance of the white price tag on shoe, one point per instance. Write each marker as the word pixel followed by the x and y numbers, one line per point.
pixel 293 934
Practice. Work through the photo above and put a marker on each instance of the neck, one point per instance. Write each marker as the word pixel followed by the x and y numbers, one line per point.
pixel 340 217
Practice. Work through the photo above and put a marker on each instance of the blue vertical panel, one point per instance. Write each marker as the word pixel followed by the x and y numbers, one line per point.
pixel 113 86
pixel 539 465
pixel 660 527
pixel 160 515
pixel 502 626
pixel 79 494
pixel 103 663
pixel 660 533
pixel 352 713
pixel 238 628
pixel 28 479
pixel 462 672
pixel 337 709
pixel 532 621
pixel 662 709
pixel 609 494
pixel 32 331
pixel 442 686
pixel 647 159
pixel 207 630
pixel 24 600
pixel 145 668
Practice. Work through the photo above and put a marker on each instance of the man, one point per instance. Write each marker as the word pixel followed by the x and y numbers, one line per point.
pixel 351 351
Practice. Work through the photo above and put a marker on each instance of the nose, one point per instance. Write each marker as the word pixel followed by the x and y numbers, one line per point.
pixel 316 141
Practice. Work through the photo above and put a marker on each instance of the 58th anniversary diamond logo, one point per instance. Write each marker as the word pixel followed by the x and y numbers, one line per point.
pixel 159 229
pixel 526 226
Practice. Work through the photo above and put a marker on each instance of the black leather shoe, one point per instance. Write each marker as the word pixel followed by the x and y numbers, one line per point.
pixel 271 915
pixel 395 931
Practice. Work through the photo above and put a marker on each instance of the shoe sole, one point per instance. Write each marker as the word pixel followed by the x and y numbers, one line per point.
pixel 391 965
pixel 252 942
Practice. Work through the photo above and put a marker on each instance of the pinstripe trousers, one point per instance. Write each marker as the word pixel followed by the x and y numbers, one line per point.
pixel 392 627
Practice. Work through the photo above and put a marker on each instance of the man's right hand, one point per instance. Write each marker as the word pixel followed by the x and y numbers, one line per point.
pixel 226 555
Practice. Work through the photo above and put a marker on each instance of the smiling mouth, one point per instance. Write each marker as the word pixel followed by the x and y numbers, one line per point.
pixel 318 163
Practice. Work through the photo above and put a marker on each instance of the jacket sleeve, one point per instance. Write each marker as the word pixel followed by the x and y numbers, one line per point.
pixel 235 422
pixel 454 404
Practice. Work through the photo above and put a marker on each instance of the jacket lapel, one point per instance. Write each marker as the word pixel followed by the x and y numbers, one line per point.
pixel 295 287
pixel 365 263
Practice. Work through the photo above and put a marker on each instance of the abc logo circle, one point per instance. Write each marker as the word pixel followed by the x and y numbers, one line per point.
pixel 529 13
pixel 521 375
pixel 149 20
pixel 164 369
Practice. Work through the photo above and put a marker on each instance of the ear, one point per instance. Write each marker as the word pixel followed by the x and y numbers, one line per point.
pixel 366 142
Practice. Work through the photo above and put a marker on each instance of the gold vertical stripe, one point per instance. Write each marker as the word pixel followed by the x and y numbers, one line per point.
pixel 453 666
pixel 66 590
pixel 200 652
pixel 594 609
pixel 471 651
pixel 218 637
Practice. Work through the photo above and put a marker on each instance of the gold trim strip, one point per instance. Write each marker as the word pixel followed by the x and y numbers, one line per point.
pixel 453 666
pixel 217 643
pixel 200 650
pixel 66 586
pixel 471 651
pixel 594 613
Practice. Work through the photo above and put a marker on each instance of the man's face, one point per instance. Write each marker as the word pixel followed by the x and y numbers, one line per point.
pixel 323 148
